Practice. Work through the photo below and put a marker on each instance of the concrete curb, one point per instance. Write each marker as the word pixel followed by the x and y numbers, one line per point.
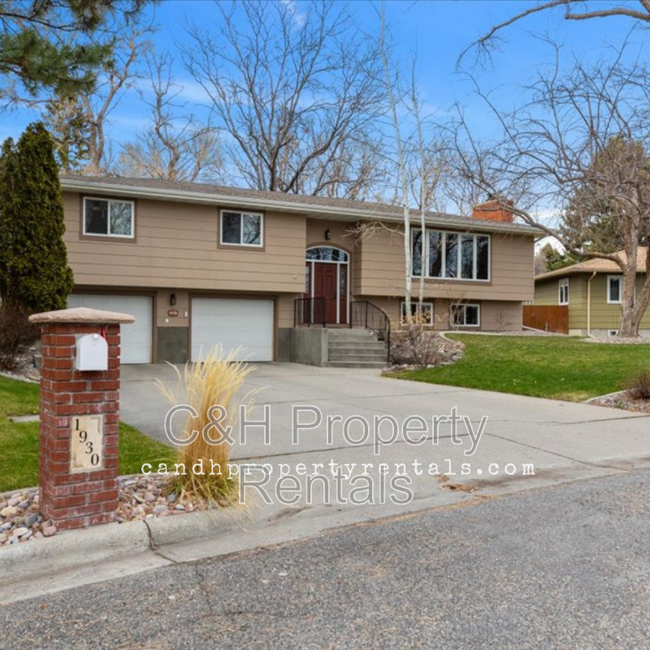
pixel 591 400
pixel 111 541
pixel 163 531
pixel 71 548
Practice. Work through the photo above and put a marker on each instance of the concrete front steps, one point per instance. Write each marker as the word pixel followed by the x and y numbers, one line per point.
pixel 355 348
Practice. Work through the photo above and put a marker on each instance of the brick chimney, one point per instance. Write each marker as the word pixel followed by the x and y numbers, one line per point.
pixel 494 209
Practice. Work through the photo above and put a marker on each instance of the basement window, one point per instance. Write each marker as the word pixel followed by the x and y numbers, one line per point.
pixel 466 315
pixel 427 311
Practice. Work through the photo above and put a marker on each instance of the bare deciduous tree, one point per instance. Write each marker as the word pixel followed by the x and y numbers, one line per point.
pixel 174 147
pixel 426 171
pixel 574 10
pixel 402 171
pixel 582 134
pixel 293 92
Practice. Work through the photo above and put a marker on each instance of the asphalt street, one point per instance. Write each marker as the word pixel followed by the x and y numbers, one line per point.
pixel 561 567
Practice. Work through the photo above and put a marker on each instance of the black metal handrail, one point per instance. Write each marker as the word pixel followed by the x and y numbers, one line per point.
pixel 363 313
pixel 309 311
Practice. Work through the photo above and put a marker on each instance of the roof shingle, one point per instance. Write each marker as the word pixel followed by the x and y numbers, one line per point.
pixel 295 202
pixel 598 265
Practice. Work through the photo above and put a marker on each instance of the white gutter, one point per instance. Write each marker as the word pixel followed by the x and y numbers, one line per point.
pixel 285 206
pixel 593 275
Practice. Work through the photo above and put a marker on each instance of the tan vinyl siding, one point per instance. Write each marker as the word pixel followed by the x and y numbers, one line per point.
pixel 176 250
pixel 177 246
pixel 182 306
pixel 381 258
pixel 340 234
pixel 285 310
pixel 495 315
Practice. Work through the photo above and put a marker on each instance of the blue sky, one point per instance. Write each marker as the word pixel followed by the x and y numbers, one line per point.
pixel 436 30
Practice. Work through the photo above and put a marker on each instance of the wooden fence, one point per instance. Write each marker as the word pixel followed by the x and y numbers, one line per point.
pixel 550 318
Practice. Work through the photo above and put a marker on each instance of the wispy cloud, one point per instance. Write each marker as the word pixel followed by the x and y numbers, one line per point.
pixel 192 91
pixel 298 17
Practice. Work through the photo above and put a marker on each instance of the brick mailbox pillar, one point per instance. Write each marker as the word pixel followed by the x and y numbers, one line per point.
pixel 79 415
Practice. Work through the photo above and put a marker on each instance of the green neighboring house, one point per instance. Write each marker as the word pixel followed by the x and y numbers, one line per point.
pixel 592 292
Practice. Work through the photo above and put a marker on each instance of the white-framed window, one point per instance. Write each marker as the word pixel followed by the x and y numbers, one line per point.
pixel 614 289
pixel 242 228
pixel 450 255
pixel 563 292
pixel 612 333
pixel 427 311
pixel 108 217
pixel 466 315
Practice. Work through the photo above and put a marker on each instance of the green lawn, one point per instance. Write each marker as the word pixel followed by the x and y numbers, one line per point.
pixel 19 441
pixel 559 368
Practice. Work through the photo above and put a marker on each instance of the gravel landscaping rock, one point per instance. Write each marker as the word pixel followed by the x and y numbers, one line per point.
pixel 524 332
pixel 621 400
pixel 618 340
pixel 447 353
pixel 140 497
pixel 26 366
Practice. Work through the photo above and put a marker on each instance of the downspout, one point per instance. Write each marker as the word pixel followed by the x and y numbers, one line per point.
pixel 593 275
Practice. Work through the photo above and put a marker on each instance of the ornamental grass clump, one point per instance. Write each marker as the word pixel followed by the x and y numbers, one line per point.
pixel 214 381
pixel 638 385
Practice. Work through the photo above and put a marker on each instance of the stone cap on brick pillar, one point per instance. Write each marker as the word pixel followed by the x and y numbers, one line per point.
pixel 81 315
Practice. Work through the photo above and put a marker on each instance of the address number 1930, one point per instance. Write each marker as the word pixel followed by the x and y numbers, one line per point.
pixel 87 444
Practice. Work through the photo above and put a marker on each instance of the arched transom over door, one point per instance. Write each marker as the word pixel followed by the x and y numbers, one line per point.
pixel 328 277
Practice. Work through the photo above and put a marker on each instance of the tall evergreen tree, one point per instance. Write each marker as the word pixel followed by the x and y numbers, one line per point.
pixel 45 44
pixel 34 271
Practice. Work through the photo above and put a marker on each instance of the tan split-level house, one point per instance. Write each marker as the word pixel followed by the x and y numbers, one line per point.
pixel 199 265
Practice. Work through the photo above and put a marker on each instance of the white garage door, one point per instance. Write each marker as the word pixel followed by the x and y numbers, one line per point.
pixel 136 338
pixel 232 324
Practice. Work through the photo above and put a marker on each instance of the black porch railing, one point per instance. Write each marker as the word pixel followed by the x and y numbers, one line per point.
pixel 363 313
pixel 309 311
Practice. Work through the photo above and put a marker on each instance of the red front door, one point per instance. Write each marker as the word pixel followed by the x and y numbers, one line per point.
pixel 325 286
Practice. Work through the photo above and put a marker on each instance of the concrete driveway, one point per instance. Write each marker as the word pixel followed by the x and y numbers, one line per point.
pixel 557 442
pixel 562 441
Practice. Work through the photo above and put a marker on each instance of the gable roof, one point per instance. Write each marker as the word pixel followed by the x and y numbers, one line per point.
pixel 597 265
pixel 314 206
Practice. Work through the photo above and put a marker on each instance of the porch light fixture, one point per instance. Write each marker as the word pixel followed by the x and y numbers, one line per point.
pixel 172 299
pixel 328 234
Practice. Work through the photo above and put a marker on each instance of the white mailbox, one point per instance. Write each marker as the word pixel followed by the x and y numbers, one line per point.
pixel 92 353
